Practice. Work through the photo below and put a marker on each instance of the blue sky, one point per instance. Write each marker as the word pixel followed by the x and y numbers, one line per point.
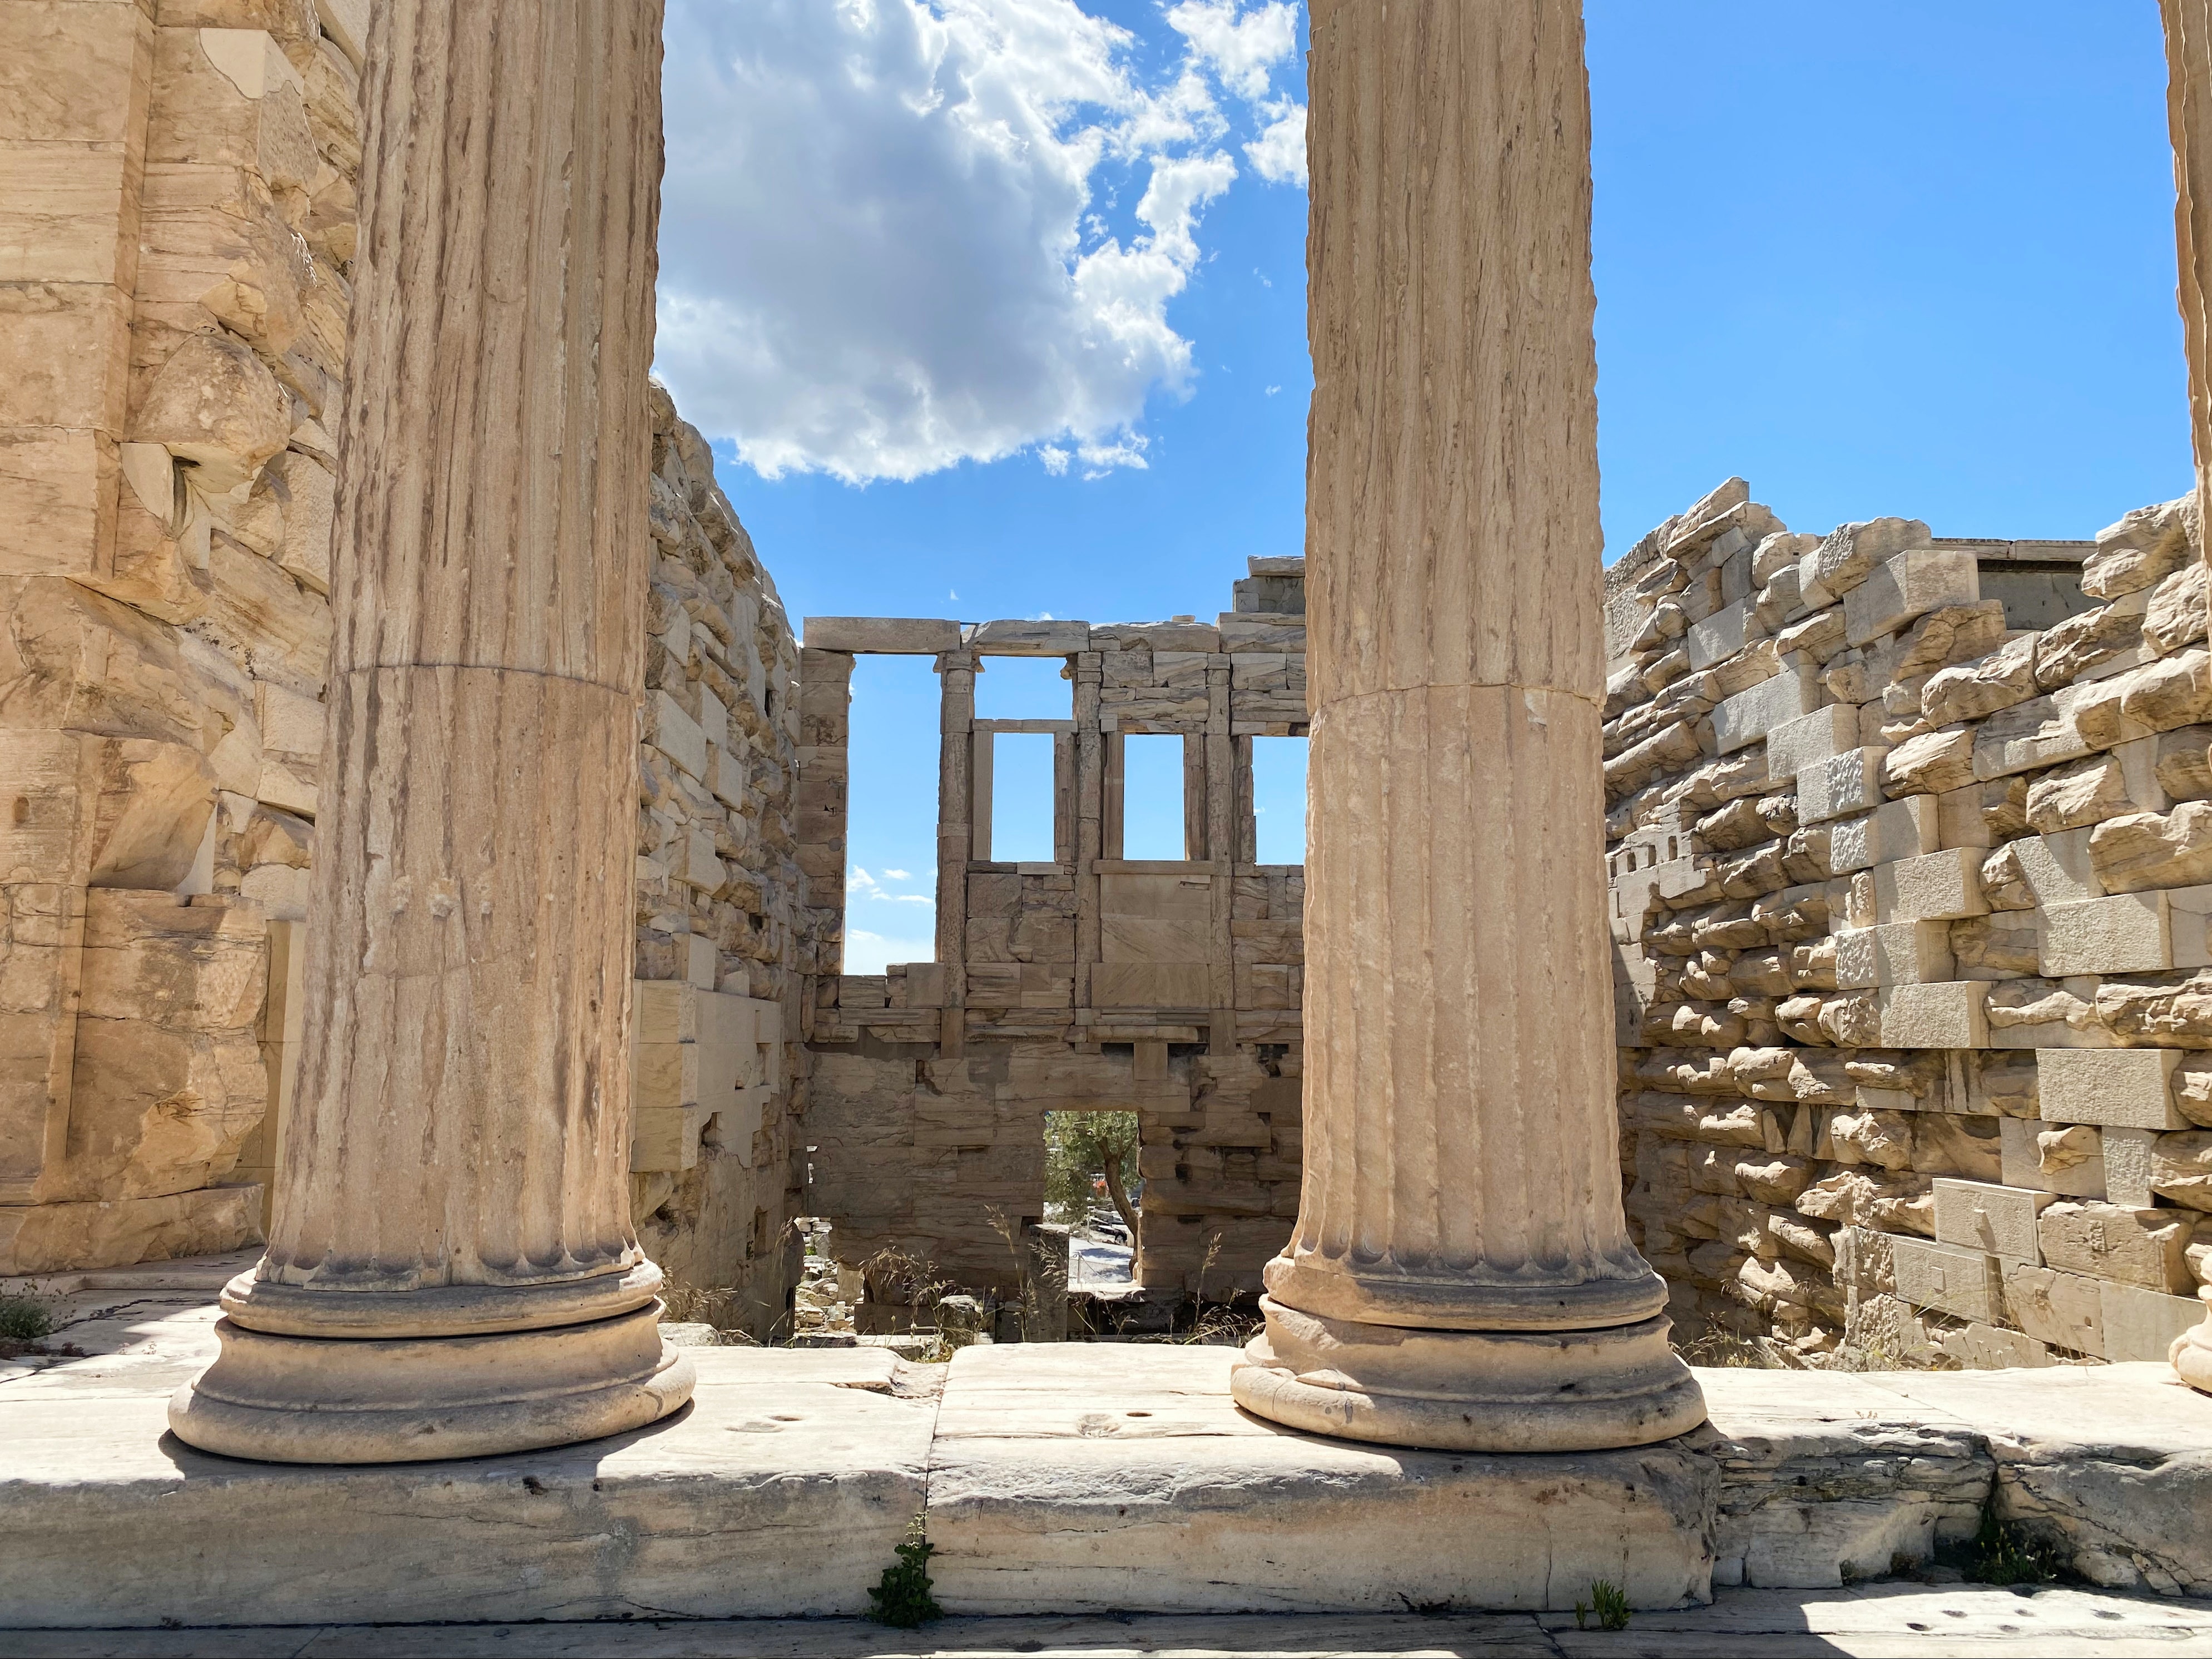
pixel 1875 258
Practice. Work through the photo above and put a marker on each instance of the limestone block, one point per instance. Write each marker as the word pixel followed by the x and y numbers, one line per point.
pixel 2176 615
pixel 2150 849
pixel 306 491
pixel 1997 1220
pixel 230 96
pixel 2064 1309
pixel 1044 1455
pixel 1909 585
pixel 2070 648
pixel 1962 1282
pixel 168 1079
pixel 1896 953
pixel 782 1493
pixel 1019 638
pixel 2054 869
pixel 1995 947
pixel 2178 1167
pixel 2140 549
pixel 214 403
pixel 1748 716
pixel 1819 736
pixel 1939 886
pixel 891 636
pixel 675 734
pixel 2095 706
pixel 1992 1348
pixel 2183 762
pixel 2030 735
pixel 2105 1241
pixel 2129 1175
pixel 1852 782
pixel 2086 793
pixel 2172 692
pixel 1931 763
pixel 2126 934
pixel 1719 636
pixel 1851 553
pixel 1949 1014
pixel 2024 1165
pixel 1973 691
pixel 1897 829
pixel 2142 1324
pixel 115 1232
pixel 2123 1088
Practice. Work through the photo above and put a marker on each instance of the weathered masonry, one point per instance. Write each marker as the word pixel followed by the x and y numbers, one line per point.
pixel 177 270
pixel 1091 982
pixel 1910 862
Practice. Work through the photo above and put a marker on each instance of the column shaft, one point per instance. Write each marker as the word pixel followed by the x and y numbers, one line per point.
pixel 455 1200
pixel 1461 1274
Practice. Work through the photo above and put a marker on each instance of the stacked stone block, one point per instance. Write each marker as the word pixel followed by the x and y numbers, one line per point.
pixel 1911 860
pixel 727 929
pixel 177 198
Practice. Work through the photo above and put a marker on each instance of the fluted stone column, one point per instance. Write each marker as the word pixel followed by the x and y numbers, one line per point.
pixel 452 1270
pixel 2188 116
pixel 1462 1275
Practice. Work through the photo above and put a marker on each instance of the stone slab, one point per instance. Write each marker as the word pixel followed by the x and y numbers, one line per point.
pixel 781 1490
pixel 2113 1463
pixel 1060 1476
pixel 916 636
pixel 1900 1618
pixel 1090 1478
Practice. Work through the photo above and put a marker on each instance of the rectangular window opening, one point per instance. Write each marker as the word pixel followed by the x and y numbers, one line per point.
pixel 890 829
pixel 1152 797
pixel 1021 798
pixel 1024 688
pixel 1279 799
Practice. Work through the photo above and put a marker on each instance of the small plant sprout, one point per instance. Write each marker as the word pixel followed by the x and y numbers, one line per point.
pixel 902 1598
pixel 1607 1602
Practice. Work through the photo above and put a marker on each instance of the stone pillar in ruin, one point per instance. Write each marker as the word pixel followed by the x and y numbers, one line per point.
pixel 453 1271
pixel 1462 1275
pixel 2188 116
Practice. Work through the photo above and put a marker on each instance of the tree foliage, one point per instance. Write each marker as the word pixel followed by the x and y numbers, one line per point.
pixel 1088 1156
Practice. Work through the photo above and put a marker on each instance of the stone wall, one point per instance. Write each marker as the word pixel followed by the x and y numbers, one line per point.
pixel 177 210
pixel 1911 840
pixel 178 201
pixel 725 941
pixel 1091 981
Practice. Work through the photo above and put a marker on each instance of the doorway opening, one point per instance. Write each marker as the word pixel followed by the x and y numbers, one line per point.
pixel 1092 1188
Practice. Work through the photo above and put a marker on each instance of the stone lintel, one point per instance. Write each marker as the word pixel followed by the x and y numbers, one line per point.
pixel 890 636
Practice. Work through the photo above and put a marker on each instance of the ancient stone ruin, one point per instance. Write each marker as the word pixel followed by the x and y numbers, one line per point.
pixel 423 838
pixel 1908 849
pixel 1169 988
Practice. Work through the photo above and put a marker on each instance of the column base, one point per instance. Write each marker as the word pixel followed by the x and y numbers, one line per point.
pixel 1477 1391
pixel 2191 1353
pixel 289 1399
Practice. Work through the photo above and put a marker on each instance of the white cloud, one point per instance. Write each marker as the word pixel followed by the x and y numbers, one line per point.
pixel 871 953
pixel 883 250
pixel 859 884
pixel 1242 51
pixel 1279 153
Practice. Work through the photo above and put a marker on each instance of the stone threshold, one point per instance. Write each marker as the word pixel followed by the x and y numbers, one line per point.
pixel 1888 1619
pixel 1074 1479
